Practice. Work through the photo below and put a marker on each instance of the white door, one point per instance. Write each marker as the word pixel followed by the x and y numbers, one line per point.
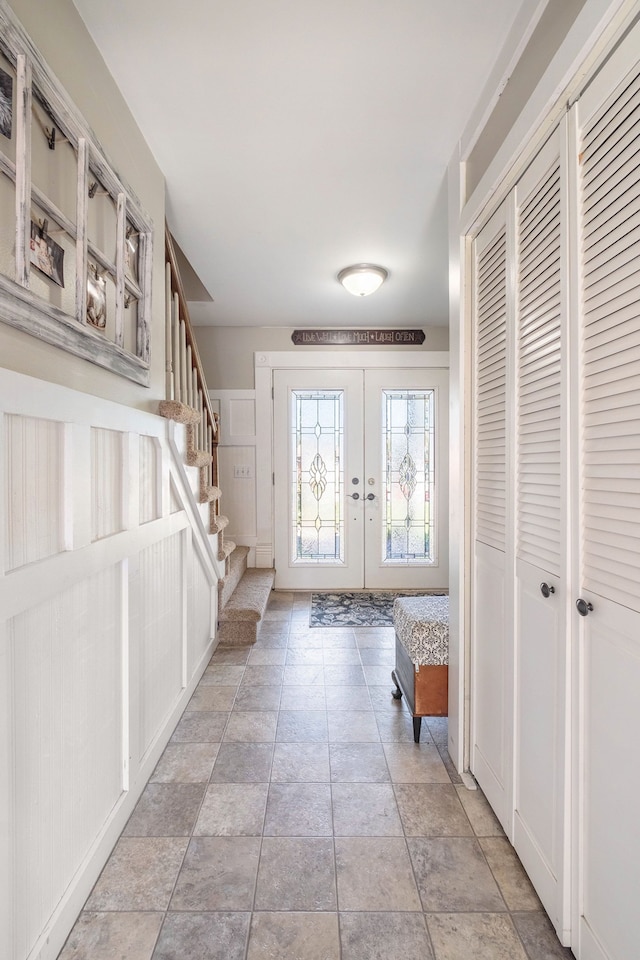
pixel 492 656
pixel 361 478
pixel 607 540
pixel 541 643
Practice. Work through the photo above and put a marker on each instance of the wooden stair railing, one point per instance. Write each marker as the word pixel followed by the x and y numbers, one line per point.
pixel 187 398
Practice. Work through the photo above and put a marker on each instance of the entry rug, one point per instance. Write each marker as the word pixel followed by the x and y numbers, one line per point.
pixel 357 609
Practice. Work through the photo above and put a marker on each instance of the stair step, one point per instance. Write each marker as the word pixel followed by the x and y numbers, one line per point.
pixel 218 523
pixel 237 567
pixel 241 616
pixel 226 549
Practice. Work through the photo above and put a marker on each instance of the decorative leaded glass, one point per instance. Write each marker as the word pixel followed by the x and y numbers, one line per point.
pixel 408 476
pixel 317 479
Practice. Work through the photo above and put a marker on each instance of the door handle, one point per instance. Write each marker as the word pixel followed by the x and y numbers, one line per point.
pixel 354 496
pixel 584 607
pixel 371 496
pixel 546 590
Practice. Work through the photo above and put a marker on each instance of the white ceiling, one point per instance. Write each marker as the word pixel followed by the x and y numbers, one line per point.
pixel 300 136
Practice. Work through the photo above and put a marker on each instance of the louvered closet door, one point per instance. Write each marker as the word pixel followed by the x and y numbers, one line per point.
pixel 540 754
pixel 492 657
pixel 608 782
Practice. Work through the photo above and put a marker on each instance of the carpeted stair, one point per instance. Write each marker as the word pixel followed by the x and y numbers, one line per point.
pixel 243 596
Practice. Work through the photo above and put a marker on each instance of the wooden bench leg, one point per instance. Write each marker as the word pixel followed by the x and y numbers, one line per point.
pixel 417 723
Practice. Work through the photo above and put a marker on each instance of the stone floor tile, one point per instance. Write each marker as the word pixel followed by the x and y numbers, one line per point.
pixel 275 615
pixel 509 873
pixel 218 873
pixel 415 763
pixel 378 657
pixel 267 656
pixel 452 875
pixel 275 639
pixel 374 874
pixel 294 936
pixel 232 810
pixel 351 726
pixel 212 697
pixel 258 697
pixel 365 810
pixel 302 675
pixel 223 674
pixel 301 656
pixel 262 675
pixel 379 637
pixel 396 728
pixel 298 810
pixel 251 726
pixel 300 763
pixel 202 936
pixel 481 936
pixel 358 763
pixel 232 655
pixel 377 675
pixel 342 674
pixel 303 698
pixel 482 818
pixel 200 727
pixel 539 938
pixel 103 936
pixel 431 810
pixel 296 874
pixel 346 697
pixel 341 656
pixel 165 810
pixel 185 763
pixel 374 936
pixel 382 699
pixel 297 726
pixel 139 875
pixel 243 763
pixel 338 639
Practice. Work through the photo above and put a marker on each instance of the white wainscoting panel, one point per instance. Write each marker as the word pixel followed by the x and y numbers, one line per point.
pixel 34 457
pixel 202 618
pixel 67 739
pixel 155 652
pixel 242 417
pixel 149 479
pixel 106 483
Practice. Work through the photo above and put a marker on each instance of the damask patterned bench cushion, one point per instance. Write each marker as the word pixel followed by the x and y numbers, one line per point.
pixel 422 627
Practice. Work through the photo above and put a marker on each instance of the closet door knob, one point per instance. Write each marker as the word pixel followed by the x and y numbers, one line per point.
pixel 546 590
pixel 583 607
pixel 371 496
pixel 354 496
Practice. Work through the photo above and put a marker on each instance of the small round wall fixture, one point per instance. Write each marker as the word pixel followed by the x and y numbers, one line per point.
pixel 361 279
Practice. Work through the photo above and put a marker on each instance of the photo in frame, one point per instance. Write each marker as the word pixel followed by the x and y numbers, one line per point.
pixel 46 254
pixel 96 298
pixel 6 104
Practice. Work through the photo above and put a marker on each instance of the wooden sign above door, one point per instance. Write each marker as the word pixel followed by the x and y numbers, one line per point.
pixel 357 338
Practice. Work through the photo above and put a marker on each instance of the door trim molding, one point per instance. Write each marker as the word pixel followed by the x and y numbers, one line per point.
pixel 264 365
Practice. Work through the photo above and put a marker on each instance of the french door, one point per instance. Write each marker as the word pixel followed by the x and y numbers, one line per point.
pixel 360 478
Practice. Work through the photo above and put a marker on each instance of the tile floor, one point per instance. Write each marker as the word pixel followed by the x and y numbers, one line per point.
pixel 292 817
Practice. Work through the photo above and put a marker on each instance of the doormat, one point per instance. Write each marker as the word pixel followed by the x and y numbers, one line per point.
pixel 358 609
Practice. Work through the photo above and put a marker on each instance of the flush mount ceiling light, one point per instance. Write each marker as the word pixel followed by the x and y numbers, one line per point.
pixel 362 278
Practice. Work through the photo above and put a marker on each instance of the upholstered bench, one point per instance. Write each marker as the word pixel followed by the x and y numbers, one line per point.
pixel 422 656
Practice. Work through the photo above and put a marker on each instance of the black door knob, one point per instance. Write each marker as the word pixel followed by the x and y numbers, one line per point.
pixel 546 590
pixel 355 496
pixel 583 607
pixel 371 496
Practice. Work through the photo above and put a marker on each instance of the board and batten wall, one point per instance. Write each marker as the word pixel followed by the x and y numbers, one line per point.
pixel 108 608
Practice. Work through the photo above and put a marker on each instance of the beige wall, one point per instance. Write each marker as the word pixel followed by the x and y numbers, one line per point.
pixel 227 352
pixel 60 35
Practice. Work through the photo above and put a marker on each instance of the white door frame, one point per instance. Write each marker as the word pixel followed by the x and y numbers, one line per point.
pixel 309 359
